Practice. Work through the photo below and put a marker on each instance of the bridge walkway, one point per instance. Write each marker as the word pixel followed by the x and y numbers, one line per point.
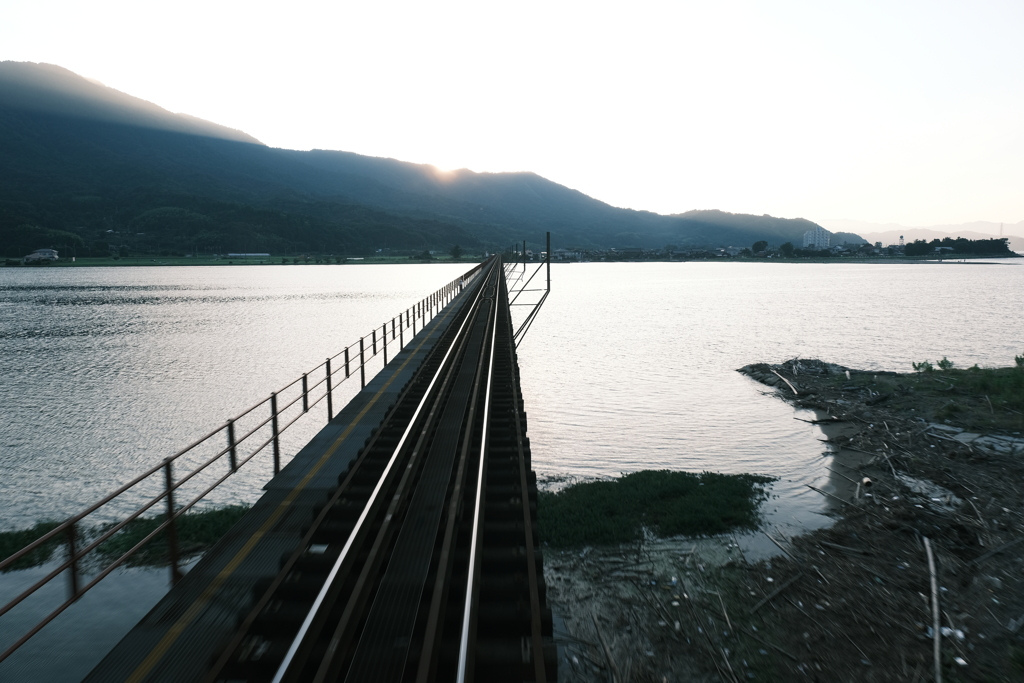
pixel 185 631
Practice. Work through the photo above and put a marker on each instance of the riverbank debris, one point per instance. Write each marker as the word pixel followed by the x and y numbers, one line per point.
pixel 850 602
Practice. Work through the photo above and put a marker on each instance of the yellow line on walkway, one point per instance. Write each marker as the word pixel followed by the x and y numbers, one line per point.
pixel 207 595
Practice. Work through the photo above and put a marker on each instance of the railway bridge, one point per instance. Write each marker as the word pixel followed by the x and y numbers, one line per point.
pixel 399 544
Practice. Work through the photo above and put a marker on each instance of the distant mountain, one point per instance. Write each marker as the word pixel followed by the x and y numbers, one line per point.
pixel 889 233
pixel 90 167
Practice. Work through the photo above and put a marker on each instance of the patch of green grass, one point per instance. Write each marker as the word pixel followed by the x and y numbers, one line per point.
pixel 668 503
pixel 973 398
pixel 196 532
pixel 13 541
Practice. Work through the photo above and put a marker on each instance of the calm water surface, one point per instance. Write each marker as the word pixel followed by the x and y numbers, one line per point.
pixel 629 366
pixel 108 370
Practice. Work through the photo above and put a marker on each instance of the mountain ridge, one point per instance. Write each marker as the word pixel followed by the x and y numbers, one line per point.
pixel 63 136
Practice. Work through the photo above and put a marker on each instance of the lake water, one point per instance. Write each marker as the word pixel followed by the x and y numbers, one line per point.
pixel 106 371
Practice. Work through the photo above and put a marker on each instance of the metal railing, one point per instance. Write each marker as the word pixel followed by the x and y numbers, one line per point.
pixel 513 276
pixel 277 419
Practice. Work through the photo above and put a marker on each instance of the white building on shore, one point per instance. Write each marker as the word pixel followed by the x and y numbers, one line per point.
pixel 818 238
pixel 41 255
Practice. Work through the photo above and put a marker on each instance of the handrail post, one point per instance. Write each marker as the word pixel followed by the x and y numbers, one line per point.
pixel 172 530
pixel 346 363
pixel 72 532
pixel 277 439
pixel 549 261
pixel 305 394
pixel 392 329
pixel 401 337
pixel 330 403
pixel 384 339
pixel 414 322
pixel 231 445
pixel 362 365
pixel 374 342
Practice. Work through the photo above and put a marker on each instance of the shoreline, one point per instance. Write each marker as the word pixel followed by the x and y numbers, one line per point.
pixel 848 602
pixel 142 261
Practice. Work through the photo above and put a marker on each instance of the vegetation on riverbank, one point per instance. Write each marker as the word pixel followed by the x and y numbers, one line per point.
pixel 974 398
pixel 664 502
pixel 13 541
pixel 197 532
pixel 853 601
pixel 929 465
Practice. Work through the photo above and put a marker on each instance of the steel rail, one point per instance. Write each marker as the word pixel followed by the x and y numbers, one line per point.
pixel 297 641
pixel 434 626
pixel 471 586
pixel 405 488
pixel 457 339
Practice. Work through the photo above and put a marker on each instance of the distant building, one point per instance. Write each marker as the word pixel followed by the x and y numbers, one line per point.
pixel 818 237
pixel 41 255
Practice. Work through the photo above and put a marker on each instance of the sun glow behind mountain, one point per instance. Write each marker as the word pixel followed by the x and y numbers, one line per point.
pixel 886 113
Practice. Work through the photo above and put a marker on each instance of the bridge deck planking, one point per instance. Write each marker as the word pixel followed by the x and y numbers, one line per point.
pixel 177 640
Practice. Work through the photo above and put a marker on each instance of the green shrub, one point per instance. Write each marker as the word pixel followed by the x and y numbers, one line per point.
pixel 945 363
pixel 197 531
pixel 666 502
pixel 923 366
pixel 13 541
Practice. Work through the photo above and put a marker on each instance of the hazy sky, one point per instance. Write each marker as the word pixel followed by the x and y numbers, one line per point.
pixel 907 112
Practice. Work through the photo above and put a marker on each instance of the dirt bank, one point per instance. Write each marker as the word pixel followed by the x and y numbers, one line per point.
pixel 922 459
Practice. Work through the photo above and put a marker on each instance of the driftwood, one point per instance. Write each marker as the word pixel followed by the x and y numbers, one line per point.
pixel 616 677
pixel 826 493
pixel 843 547
pixel 937 640
pixel 771 596
pixel 995 551
pixel 788 554
pixel 795 392
pixel 767 644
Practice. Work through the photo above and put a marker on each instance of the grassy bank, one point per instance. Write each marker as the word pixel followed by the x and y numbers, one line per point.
pixel 664 502
pixel 197 531
pixel 974 398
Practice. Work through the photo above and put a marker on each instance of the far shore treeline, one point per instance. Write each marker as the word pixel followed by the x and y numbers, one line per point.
pixel 997 246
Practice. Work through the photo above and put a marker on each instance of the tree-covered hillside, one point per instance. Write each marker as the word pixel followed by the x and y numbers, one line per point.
pixel 91 169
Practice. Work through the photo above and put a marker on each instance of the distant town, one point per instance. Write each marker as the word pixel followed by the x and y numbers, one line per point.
pixel 816 245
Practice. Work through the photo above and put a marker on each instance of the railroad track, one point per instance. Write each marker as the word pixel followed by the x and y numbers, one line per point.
pixel 422 565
